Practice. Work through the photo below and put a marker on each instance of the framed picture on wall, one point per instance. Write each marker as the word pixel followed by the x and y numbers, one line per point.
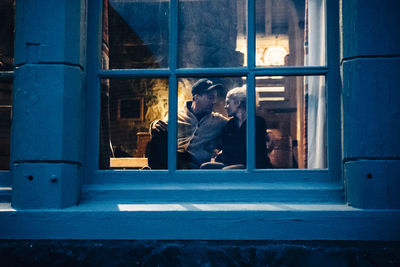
pixel 131 108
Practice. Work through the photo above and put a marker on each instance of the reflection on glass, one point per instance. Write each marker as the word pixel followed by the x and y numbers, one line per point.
pixel 128 107
pixel 135 34
pixel 209 114
pixel 212 33
pixel 290 33
pixel 293 108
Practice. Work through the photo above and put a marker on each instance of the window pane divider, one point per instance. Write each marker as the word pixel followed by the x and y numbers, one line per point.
pixel 292 71
pixel 234 71
pixel 172 123
pixel 134 73
pixel 211 72
pixel 250 86
pixel 251 42
pixel 251 122
pixel 172 86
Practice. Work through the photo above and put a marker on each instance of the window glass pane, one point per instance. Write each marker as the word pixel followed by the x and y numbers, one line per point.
pixel 128 106
pixel 290 33
pixel 294 110
pixel 212 33
pixel 135 34
pixel 206 132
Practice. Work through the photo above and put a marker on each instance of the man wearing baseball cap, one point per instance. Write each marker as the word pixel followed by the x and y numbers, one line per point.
pixel 199 128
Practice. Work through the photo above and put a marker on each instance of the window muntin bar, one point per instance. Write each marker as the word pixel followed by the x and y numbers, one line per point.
pixel 214 72
pixel 251 35
pixel 172 118
pixel 251 122
pixel 173 89
pixel 134 73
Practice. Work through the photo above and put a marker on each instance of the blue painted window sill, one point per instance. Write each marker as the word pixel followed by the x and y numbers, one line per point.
pixel 231 212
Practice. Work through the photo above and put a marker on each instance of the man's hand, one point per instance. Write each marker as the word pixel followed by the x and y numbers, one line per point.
pixel 158 127
pixel 216 156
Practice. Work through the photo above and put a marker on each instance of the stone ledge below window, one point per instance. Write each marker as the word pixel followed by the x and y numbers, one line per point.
pixel 201 221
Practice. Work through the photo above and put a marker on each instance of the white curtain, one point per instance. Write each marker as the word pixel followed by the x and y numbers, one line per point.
pixel 315 85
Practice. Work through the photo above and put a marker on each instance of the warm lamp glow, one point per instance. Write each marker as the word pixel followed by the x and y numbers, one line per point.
pixel 274 56
pixel 271 50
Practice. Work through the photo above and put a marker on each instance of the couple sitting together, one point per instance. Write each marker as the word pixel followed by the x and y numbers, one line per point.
pixel 207 139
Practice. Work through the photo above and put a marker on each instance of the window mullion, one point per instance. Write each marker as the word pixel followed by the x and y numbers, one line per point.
pixel 251 48
pixel 250 122
pixel 173 35
pixel 251 42
pixel 173 85
pixel 172 122
pixel 130 73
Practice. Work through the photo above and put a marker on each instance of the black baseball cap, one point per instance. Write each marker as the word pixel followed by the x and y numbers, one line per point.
pixel 204 85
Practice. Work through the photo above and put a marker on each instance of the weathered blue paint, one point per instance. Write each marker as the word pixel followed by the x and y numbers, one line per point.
pixel 370 28
pixel 371 108
pixel 48 101
pixel 51 31
pixel 47 113
pixel 215 192
pixel 184 222
pixel 50 54
pixel 370 101
pixel 373 183
pixel 51 185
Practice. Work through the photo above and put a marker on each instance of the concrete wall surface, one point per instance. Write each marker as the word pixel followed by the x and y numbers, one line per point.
pixel 198 253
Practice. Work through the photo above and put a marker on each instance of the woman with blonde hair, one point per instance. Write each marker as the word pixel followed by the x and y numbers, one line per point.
pixel 233 137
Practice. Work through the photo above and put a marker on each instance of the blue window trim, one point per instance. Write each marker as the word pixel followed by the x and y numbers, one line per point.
pixel 5 175
pixel 173 73
pixel 261 221
pixel 5 178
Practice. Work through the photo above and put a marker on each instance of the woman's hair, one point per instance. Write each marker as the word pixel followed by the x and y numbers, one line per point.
pixel 238 94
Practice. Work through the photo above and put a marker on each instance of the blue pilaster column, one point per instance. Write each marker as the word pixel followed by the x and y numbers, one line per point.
pixel 48 101
pixel 371 102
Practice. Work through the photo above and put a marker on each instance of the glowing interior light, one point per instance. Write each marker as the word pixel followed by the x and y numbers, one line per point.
pixel 275 56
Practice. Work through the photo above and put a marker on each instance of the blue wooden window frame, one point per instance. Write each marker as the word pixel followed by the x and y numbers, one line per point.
pixel 173 73
pixel 5 175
